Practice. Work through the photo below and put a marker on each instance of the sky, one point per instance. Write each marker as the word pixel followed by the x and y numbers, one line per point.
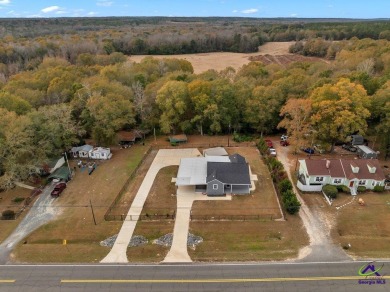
pixel 238 8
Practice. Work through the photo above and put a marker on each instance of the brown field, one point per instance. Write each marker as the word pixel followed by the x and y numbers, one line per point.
pixel 272 52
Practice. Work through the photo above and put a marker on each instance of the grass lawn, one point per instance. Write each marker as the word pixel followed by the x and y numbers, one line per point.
pixel 7 203
pixel 75 222
pixel 248 241
pixel 366 228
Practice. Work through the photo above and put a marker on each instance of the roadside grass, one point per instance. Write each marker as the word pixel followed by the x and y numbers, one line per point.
pixel 75 222
pixel 365 228
pixel 7 203
pixel 249 240
pixel 150 252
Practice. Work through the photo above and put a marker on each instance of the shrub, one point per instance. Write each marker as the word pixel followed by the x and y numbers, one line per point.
pixel 262 146
pixel 379 189
pixel 284 185
pixel 173 144
pixel 343 188
pixel 18 200
pixel 330 191
pixel 8 215
pixel 361 189
pixel 290 202
pixel 241 138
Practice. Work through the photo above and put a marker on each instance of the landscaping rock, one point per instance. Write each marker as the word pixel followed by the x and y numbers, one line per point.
pixel 166 240
pixel 136 240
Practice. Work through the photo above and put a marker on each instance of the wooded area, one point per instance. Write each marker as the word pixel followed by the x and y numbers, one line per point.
pixel 58 87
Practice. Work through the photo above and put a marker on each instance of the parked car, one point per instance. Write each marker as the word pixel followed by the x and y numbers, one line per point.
pixel 284 143
pixel 308 150
pixel 349 147
pixel 272 152
pixel 269 143
pixel 284 137
pixel 58 189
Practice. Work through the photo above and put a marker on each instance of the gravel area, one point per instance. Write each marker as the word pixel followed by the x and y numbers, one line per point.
pixel 136 240
pixel 166 240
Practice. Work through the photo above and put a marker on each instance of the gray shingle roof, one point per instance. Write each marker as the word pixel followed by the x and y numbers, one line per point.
pixel 236 172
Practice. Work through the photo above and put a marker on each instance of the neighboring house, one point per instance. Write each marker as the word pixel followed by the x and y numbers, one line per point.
pixel 130 137
pixel 366 152
pixel 100 153
pixel 313 174
pixel 216 151
pixel 215 175
pixel 81 151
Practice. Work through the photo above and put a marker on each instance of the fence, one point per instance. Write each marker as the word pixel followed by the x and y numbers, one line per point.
pixel 118 197
pixel 205 145
pixel 142 217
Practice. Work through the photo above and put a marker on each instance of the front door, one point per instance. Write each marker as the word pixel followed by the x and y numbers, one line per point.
pixel 351 184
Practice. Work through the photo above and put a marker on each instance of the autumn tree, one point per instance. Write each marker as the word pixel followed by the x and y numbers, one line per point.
pixel 296 120
pixel 173 101
pixel 339 110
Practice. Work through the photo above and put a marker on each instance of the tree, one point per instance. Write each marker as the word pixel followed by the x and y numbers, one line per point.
pixel 296 119
pixel 200 94
pixel 339 110
pixel 262 108
pixel 109 113
pixel 172 100
pixel 14 103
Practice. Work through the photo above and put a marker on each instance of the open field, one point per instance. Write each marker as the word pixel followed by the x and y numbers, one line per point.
pixel 75 224
pixel 272 52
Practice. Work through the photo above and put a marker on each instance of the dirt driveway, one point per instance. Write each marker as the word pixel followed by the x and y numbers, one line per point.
pixel 321 246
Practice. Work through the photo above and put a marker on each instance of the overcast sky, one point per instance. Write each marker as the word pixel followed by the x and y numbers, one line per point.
pixel 249 8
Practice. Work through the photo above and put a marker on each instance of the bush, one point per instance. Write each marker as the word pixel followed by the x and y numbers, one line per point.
pixel 262 146
pixel 330 191
pixel 8 215
pixel 173 144
pixel 343 189
pixel 284 185
pixel 241 138
pixel 290 202
pixel 379 189
pixel 361 189
pixel 18 200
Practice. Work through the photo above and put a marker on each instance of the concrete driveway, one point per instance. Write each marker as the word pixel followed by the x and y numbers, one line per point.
pixel 164 158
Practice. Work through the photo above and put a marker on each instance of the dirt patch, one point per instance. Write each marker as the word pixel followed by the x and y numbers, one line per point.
pixel 284 60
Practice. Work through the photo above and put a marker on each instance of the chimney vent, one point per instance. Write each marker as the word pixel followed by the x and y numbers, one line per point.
pixel 327 164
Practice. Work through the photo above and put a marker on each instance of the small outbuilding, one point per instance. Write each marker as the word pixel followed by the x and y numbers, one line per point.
pixel 85 150
pixel 366 152
pixel 62 174
pixel 216 151
pixel 130 137
pixel 356 140
pixel 178 138
pixel 100 153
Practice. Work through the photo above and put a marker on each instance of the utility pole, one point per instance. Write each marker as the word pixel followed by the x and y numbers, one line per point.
pixel 154 133
pixel 229 136
pixel 93 214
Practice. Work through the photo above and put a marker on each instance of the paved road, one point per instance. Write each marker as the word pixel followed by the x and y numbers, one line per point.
pixel 194 277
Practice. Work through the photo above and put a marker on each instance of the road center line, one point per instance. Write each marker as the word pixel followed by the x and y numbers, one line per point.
pixel 341 278
pixel 7 281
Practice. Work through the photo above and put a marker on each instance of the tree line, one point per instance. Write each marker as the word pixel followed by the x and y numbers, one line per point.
pixel 48 109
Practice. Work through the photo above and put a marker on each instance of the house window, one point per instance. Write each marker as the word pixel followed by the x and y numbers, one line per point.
pixel 337 181
pixel 362 182
pixel 215 187
pixel 319 178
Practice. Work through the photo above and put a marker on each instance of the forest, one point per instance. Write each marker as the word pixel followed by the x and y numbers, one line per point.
pixel 57 89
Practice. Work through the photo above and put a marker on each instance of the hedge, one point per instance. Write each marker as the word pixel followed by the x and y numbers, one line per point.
pixel 379 189
pixel 361 189
pixel 343 188
pixel 330 191
pixel 280 178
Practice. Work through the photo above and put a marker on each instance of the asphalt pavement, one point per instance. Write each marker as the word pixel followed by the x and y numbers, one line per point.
pixel 340 276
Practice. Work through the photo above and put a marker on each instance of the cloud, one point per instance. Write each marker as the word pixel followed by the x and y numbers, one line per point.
pixel 248 11
pixel 293 15
pixel 5 2
pixel 104 3
pixel 235 11
pixel 92 13
pixel 50 9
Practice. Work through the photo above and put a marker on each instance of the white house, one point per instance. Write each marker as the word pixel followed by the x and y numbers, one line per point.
pixel 81 151
pixel 313 174
pixel 100 153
